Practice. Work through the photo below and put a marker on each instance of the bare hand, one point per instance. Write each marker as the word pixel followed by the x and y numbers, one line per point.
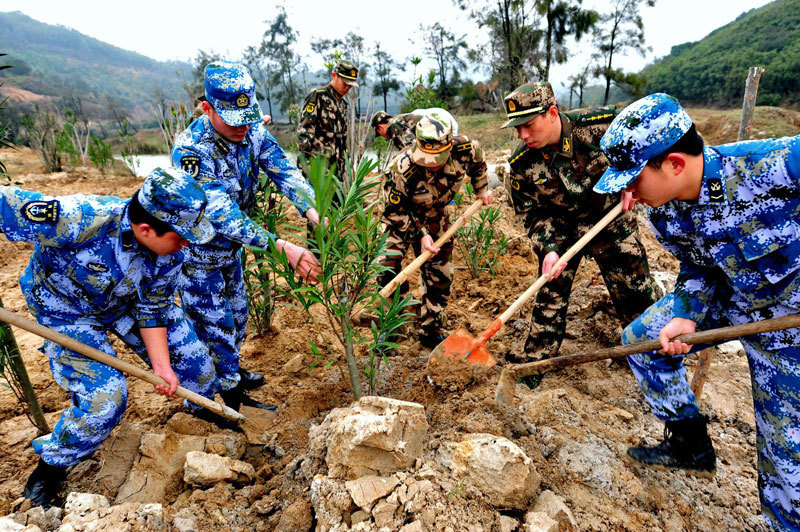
pixel 266 119
pixel 303 261
pixel 628 201
pixel 486 196
pixel 550 260
pixel 313 216
pixel 427 245
pixel 675 327
pixel 168 375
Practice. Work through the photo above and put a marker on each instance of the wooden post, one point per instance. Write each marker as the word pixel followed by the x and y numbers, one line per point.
pixel 10 351
pixel 749 103
pixel 745 123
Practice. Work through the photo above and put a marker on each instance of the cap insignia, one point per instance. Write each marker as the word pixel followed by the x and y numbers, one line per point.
pixel 512 106
pixel 242 101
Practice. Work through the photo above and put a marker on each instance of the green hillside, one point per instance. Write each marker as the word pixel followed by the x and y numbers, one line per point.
pixel 712 71
pixel 53 60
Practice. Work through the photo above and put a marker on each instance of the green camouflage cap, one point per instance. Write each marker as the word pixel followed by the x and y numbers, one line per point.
pixel 434 141
pixel 348 71
pixel 526 101
pixel 175 198
pixel 378 118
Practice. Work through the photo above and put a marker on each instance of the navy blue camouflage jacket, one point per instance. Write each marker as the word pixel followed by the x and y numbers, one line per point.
pixel 86 265
pixel 740 241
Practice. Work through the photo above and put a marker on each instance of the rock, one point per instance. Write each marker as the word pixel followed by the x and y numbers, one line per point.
pixel 590 461
pixel 7 524
pixel 296 518
pixel 205 469
pixel 37 516
pixel 366 490
pixel 494 466
pixel 383 512
pixel 185 521
pixel 295 365
pixel 554 506
pixel 413 499
pixel 83 510
pixel 375 436
pixel 120 452
pixel 415 526
pixel 330 500
pixel 359 516
pixel 539 522
pixel 507 524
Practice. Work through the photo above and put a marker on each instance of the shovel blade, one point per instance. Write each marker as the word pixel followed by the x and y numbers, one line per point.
pixel 461 344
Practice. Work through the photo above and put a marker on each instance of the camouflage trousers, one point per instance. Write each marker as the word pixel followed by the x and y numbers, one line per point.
pixel 627 277
pixel 99 392
pixel 215 301
pixel 436 273
pixel 774 360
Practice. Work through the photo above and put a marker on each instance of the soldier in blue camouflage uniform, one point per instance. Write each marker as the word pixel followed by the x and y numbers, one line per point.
pixel 420 182
pixel 99 265
pixel 400 130
pixel 552 174
pixel 224 151
pixel 730 215
pixel 322 128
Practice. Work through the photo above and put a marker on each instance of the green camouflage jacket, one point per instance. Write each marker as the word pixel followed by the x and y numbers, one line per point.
pixel 552 190
pixel 401 130
pixel 322 129
pixel 415 196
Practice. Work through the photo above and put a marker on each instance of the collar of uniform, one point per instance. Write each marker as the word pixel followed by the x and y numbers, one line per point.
pixel 565 143
pixel 126 237
pixel 226 146
pixel 333 92
pixel 712 189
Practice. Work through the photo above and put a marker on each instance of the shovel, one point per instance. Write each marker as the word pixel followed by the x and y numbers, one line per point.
pixel 462 345
pixel 504 393
pixel 387 290
pixel 125 367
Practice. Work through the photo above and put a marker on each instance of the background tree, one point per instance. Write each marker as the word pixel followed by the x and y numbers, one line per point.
pixel 42 127
pixel 447 50
pixel 199 63
pixel 578 82
pixel 255 63
pixel 278 47
pixel 5 138
pixel 620 29
pixel 385 66
pixel 514 49
pixel 331 50
pixel 563 18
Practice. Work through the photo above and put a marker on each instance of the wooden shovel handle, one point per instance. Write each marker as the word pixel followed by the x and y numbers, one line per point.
pixel 571 252
pixel 125 367
pixel 388 290
pixel 702 337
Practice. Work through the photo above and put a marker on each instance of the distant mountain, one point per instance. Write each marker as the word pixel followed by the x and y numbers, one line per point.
pixel 55 61
pixel 712 71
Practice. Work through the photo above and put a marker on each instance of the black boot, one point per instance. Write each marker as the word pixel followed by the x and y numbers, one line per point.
pixel 686 446
pixel 430 339
pixel 251 380
pixel 44 484
pixel 235 398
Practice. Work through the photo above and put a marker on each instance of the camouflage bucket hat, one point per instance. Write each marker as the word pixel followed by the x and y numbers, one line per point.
pixel 348 71
pixel 175 198
pixel 232 93
pixel 644 129
pixel 527 101
pixel 434 141
pixel 378 118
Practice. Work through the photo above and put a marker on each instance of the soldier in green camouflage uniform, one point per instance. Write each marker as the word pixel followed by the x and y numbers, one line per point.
pixel 552 174
pixel 420 182
pixel 399 130
pixel 322 129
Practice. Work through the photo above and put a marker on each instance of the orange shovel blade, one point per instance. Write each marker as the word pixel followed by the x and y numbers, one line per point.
pixel 464 346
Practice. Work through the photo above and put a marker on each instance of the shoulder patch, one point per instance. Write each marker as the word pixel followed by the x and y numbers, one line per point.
pixel 191 165
pixel 519 157
pixel 41 212
pixel 394 196
pixel 310 108
pixel 593 116
pixel 462 143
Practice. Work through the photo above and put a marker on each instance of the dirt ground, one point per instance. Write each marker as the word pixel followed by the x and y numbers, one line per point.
pixel 575 426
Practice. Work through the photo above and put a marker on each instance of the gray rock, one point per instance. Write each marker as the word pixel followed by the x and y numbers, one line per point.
pixel 205 469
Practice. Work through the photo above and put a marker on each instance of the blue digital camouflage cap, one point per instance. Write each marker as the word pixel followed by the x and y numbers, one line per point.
pixel 644 129
pixel 232 93
pixel 175 198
